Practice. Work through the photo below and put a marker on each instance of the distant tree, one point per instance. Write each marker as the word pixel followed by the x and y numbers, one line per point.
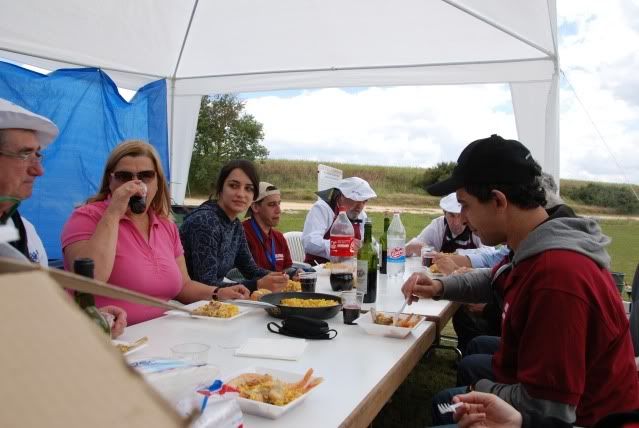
pixel 436 173
pixel 224 132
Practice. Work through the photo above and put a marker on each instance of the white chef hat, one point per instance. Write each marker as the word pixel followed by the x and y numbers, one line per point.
pixel 14 116
pixel 356 189
pixel 449 204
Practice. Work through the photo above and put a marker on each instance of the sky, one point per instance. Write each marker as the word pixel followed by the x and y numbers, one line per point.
pixel 420 126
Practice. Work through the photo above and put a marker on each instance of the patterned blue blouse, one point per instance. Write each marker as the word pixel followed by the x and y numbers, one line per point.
pixel 213 245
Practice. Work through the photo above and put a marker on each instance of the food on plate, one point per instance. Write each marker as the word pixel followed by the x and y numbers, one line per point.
pixel 258 294
pixel 267 389
pixel 293 286
pixel 124 348
pixel 217 310
pixel 434 269
pixel 407 321
pixel 308 303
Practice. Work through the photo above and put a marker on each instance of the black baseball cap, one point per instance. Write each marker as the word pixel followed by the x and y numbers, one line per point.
pixel 492 160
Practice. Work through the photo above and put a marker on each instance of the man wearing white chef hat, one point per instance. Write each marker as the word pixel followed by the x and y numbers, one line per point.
pixel 351 193
pixel 23 134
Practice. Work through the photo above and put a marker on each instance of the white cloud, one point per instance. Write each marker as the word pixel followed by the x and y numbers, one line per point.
pixel 419 126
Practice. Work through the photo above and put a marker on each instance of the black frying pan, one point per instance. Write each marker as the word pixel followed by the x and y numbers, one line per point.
pixel 282 311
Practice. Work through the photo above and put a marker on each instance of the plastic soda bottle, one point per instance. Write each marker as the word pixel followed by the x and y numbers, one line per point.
pixel 342 253
pixel 396 256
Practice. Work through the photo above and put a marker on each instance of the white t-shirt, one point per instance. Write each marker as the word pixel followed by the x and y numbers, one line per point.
pixel 37 253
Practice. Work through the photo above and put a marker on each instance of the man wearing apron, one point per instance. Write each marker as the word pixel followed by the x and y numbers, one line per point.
pixel 351 193
pixel 449 234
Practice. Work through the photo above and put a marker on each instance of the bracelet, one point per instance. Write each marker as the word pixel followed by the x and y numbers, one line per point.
pixel 214 295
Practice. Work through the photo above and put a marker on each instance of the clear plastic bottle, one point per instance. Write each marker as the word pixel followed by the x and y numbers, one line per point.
pixel 342 252
pixel 396 257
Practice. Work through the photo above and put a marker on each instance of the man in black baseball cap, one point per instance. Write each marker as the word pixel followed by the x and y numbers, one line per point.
pixel 491 160
pixel 565 347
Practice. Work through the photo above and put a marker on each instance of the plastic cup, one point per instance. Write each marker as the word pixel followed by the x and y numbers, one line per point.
pixel 351 304
pixel 308 280
pixel 192 352
pixel 427 256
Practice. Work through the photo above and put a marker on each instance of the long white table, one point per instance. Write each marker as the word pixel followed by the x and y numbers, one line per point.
pixel 360 371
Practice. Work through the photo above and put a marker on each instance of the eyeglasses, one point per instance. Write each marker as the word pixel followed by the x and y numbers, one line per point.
pixel 124 176
pixel 31 157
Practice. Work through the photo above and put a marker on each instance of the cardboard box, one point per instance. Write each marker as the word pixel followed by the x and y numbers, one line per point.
pixel 57 368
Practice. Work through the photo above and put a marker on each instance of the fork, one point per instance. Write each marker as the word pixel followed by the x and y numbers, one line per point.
pixel 448 408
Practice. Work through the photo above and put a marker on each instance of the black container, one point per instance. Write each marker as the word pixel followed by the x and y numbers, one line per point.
pixel 282 311
pixel 341 281
pixel 137 204
pixel 350 314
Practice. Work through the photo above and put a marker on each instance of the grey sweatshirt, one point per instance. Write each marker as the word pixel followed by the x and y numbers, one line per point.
pixel 562 230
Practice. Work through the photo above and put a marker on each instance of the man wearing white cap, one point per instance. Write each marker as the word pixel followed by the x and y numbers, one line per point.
pixel 449 234
pixel 23 134
pixel 352 194
pixel 268 245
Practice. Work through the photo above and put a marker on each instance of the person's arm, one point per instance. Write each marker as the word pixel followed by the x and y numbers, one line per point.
pixel 470 287
pixel 432 235
pixel 484 256
pixel 317 222
pixel 517 396
pixel 193 291
pixel 201 236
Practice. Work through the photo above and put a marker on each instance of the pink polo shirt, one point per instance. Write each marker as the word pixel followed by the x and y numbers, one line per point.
pixel 146 267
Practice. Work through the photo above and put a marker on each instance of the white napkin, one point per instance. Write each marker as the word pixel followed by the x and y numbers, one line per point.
pixel 276 349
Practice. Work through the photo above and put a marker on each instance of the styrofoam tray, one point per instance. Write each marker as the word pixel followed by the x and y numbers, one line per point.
pixel 270 411
pixel 366 323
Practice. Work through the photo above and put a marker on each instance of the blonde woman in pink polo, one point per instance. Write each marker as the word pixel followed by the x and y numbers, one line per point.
pixel 141 252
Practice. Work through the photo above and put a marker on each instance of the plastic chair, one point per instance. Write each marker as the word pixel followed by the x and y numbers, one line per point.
pixel 295 246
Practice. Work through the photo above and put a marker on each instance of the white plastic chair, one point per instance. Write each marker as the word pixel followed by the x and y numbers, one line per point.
pixel 295 246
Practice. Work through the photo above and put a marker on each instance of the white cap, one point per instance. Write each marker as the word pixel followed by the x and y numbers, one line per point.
pixel 266 189
pixel 13 116
pixel 356 189
pixel 449 204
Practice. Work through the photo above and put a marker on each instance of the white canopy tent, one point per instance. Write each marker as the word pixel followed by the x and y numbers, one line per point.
pixel 204 47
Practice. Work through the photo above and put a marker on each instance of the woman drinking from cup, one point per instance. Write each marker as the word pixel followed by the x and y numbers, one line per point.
pixel 135 247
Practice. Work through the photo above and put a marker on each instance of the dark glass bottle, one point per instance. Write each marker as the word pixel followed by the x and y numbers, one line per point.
pixel 367 262
pixel 85 267
pixel 383 242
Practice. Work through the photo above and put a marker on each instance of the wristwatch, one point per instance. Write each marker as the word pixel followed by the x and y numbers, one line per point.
pixel 214 296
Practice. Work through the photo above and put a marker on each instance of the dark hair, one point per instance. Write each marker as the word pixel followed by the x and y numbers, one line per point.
pixel 525 196
pixel 335 194
pixel 246 166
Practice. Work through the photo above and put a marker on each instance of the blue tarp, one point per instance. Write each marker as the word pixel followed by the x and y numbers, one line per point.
pixel 93 118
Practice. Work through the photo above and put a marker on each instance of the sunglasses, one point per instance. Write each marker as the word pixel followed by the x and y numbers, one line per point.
pixel 124 176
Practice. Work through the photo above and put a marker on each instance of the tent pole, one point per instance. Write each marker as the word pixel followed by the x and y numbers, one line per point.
pixel 500 28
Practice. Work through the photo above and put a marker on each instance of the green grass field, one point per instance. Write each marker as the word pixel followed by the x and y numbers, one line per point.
pixel 624 249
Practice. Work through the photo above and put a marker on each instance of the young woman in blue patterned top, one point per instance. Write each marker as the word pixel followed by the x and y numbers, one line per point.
pixel 213 236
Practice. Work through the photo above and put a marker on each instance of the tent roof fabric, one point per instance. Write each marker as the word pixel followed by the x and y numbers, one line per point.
pixel 287 43
pixel 204 47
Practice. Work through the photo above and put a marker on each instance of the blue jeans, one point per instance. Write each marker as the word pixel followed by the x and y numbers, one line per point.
pixel 478 361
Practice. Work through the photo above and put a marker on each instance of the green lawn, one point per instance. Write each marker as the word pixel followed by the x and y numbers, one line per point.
pixel 624 249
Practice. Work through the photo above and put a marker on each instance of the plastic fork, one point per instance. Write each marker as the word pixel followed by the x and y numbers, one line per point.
pixel 448 408
pixel 396 316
